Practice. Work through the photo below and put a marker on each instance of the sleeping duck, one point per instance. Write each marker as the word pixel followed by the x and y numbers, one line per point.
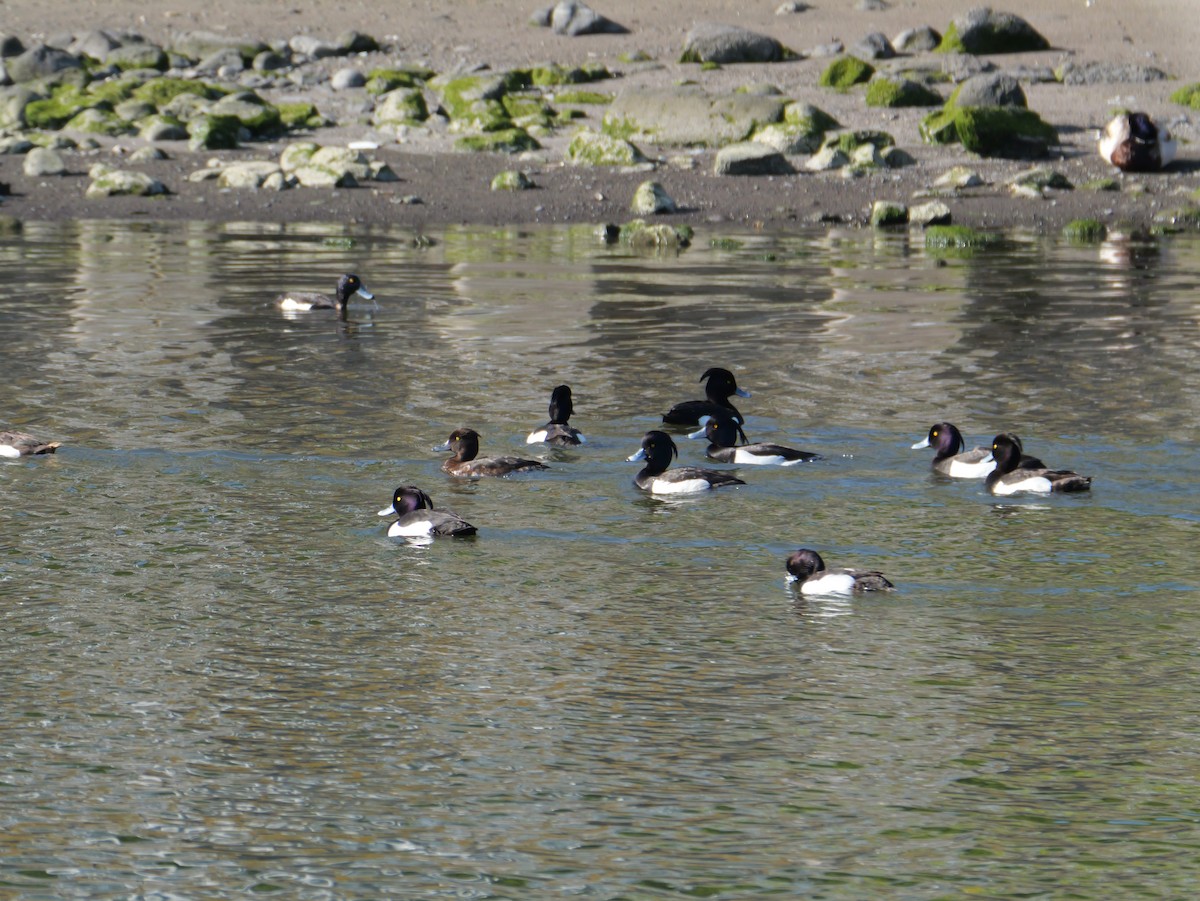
pixel 1133 143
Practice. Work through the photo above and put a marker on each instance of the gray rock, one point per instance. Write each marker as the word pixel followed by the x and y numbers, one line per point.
pixel 356 42
pixel 791 6
pixel 248 174
pixel 40 61
pixel 132 110
pixel 1108 73
pixel 42 161
pixel 199 44
pixel 933 212
pixel 836 48
pixel 229 58
pixel 1033 74
pixel 917 40
pixel 751 158
pixel 571 17
pixel 319 177
pixel 993 89
pixel 96 44
pixel 874 46
pixel 959 177
pixel 313 47
pixel 270 61
pixel 983 30
pixel 690 116
pixel 871 6
pixel 159 129
pixel 827 158
pixel 961 66
pixel 381 171
pixel 651 198
pixel 709 42
pixel 149 152
pixel 345 79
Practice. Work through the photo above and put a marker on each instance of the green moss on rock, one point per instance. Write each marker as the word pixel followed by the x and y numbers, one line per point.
pixel 161 91
pixel 642 235
pixel 545 76
pixel 1085 231
pixel 596 149
pixel 380 81
pixel 512 140
pixel 990 131
pixel 888 92
pixel 583 98
pixel 1101 184
pixel 845 72
pixel 512 180
pixel 210 132
pixel 98 122
pixel 64 103
pixel 1188 95
pixel 301 114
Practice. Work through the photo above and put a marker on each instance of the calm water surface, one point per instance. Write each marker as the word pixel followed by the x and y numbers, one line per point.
pixel 222 679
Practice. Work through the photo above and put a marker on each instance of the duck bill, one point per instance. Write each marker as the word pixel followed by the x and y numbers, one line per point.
pixel 365 294
pixel 742 392
pixel 636 457
pixel 924 442
pixel 444 446
pixel 697 434
pixel 386 511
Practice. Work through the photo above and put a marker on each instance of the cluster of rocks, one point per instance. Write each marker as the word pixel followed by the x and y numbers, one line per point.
pixel 215 92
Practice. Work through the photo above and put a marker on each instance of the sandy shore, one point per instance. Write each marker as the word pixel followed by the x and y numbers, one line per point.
pixel 454 187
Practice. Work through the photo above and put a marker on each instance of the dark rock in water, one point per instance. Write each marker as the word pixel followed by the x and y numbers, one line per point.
pixel 993 89
pixel 712 43
pixel 1108 73
pixel 874 46
pixel 984 30
pixel 40 61
pixel 571 17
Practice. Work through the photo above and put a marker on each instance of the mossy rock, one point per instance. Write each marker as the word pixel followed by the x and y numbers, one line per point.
pixel 482 115
pixel 512 140
pixel 301 114
pixel 98 121
pixel 1189 95
pixel 402 106
pixel 582 98
pixel 991 131
pixel 888 213
pixel 161 91
pixel 115 91
pixel 809 117
pixel 527 110
pixel 1107 183
pixel 846 72
pixel 889 92
pixel 642 235
pixel 461 96
pixel 512 180
pixel 297 154
pixel 262 119
pixel 850 141
pixel 138 56
pixel 209 132
pixel 546 76
pixel 64 103
pixel 380 81
pixel 595 149
pixel 957 238
pixel 983 31
pixel 1085 231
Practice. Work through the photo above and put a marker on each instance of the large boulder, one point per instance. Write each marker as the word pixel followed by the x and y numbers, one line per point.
pixel 591 148
pixel 40 61
pixel 709 42
pixel 1008 132
pixel 400 107
pixel 108 182
pixel 688 116
pixel 984 30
